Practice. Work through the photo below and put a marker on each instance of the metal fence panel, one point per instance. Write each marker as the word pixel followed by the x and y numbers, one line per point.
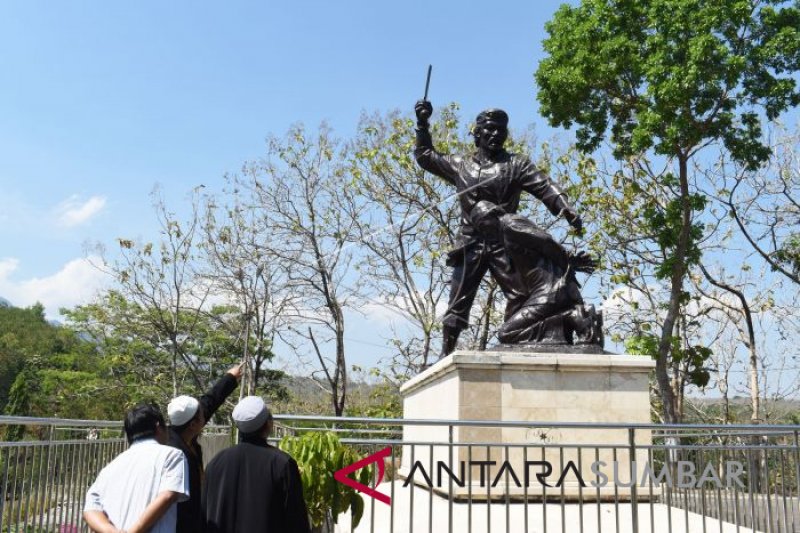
pixel 689 478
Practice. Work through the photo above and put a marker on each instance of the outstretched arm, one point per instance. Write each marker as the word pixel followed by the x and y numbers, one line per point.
pixel 542 187
pixel 427 157
pixel 213 398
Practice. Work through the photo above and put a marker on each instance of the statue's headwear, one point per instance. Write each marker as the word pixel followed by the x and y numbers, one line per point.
pixel 493 115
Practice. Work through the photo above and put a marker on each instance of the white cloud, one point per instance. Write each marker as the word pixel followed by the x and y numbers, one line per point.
pixel 7 266
pixel 73 212
pixel 396 310
pixel 381 313
pixel 77 282
pixel 625 301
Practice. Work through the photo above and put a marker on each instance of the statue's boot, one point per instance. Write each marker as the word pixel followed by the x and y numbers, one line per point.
pixel 587 323
pixel 580 319
pixel 449 340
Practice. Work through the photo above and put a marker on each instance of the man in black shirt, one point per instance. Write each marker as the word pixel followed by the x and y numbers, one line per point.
pixel 254 487
pixel 188 416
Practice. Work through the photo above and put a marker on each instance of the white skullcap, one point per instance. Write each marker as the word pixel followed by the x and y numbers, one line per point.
pixel 250 414
pixel 181 410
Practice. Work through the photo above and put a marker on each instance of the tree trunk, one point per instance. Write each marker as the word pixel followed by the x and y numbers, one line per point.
pixel 676 289
pixel 726 401
pixel 341 364
pixel 426 347
pixel 486 319
pixel 247 378
pixel 174 367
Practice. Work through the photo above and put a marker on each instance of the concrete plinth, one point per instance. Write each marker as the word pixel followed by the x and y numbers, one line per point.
pixel 413 509
pixel 515 386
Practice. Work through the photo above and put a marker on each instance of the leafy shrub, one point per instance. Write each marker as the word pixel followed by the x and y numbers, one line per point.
pixel 318 456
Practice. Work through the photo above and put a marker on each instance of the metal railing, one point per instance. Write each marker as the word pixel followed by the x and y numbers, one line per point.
pixel 48 467
pixel 480 476
pixel 472 476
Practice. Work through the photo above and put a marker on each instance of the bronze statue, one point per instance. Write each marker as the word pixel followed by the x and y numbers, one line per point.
pixel 494 175
pixel 553 313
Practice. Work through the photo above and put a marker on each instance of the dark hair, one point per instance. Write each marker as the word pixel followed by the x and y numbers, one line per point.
pixel 141 422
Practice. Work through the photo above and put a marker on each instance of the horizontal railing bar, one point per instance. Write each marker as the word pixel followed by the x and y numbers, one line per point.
pixel 599 446
pixel 39 443
pixel 441 444
pixel 528 424
pixel 344 430
pixel 654 435
pixel 725 433
pixel 763 447
pixel 35 421
pixel 663 429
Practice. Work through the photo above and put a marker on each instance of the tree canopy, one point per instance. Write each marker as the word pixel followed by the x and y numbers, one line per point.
pixel 671 75
pixel 669 78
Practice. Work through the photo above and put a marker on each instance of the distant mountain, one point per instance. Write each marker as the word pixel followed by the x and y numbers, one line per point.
pixel 5 303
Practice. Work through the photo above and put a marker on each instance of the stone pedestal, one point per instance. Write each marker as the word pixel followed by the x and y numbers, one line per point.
pixel 557 389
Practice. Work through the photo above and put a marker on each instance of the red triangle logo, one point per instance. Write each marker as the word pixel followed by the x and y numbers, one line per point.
pixel 377 457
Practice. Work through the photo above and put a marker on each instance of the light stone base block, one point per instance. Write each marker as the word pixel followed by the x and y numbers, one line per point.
pixel 516 386
pixel 413 509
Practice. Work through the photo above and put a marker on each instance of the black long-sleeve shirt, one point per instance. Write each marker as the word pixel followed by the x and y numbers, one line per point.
pixel 254 488
pixel 190 512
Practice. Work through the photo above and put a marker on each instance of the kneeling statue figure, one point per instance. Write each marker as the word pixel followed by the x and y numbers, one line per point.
pixel 553 312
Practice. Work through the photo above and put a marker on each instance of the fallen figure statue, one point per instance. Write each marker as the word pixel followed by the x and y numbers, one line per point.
pixel 553 313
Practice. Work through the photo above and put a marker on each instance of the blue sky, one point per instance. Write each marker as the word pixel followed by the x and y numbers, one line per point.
pixel 103 101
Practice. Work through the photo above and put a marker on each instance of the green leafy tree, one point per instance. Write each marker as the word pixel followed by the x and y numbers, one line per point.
pixel 138 360
pixel 138 357
pixel 25 333
pixel 59 374
pixel 671 77
pixel 407 231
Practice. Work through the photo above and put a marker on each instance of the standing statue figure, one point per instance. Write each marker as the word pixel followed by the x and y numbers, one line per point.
pixel 497 176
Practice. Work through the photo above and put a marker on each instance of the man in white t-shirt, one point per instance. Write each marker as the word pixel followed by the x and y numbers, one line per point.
pixel 138 490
